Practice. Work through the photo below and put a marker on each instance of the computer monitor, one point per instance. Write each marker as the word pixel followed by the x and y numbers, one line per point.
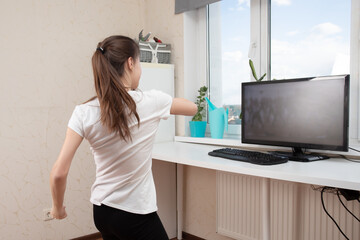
pixel 302 113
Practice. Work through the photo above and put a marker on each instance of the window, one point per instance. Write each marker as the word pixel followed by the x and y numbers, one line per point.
pixel 228 42
pixel 310 38
pixel 284 38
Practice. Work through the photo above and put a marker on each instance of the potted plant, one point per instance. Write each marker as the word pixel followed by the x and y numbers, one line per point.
pixel 197 125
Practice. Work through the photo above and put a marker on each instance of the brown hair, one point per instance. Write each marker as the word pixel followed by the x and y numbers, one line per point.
pixel 108 63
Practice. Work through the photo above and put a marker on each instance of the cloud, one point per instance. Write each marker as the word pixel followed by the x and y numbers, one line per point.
pixel 282 2
pixel 313 56
pixel 236 38
pixel 326 29
pixel 292 33
pixel 235 69
pixel 341 64
pixel 241 5
pixel 235 56
pixel 322 52
pixel 242 2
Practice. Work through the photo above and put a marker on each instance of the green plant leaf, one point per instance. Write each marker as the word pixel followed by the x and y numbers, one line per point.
pixel 253 69
pixel 200 99
pixel 197 117
pixel 262 77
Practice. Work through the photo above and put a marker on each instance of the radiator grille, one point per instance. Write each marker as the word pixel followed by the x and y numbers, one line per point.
pixel 238 206
pixel 316 225
pixel 284 211
pixel 296 212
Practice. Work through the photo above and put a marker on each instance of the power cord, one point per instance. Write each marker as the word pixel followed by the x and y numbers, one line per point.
pixel 338 194
pixel 356 150
pixel 323 205
pixel 351 160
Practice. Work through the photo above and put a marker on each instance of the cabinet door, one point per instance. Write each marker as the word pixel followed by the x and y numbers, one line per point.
pixel 160 77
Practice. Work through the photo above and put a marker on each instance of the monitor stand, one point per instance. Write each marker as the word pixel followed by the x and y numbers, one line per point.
pixel 299 155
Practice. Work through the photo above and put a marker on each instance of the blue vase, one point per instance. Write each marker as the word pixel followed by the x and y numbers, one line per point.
pixel 197 128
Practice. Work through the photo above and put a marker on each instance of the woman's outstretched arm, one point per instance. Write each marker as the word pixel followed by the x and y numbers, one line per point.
pixel 182 106
pixel 60 172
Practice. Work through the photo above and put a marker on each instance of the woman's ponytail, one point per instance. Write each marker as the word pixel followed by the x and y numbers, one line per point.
pixel 117 106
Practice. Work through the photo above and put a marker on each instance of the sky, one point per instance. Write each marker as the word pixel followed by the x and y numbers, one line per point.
pixel 308 38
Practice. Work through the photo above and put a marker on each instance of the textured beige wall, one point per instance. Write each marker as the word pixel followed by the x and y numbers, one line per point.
pixel 164 24
pixel 45 53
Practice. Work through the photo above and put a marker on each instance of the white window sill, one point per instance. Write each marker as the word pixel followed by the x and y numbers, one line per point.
pixel 232 142
pixel 227 141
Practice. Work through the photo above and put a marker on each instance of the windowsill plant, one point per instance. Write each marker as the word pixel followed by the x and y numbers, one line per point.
pixel 197 125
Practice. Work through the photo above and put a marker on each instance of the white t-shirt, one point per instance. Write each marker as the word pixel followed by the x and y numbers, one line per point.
pixel 123 169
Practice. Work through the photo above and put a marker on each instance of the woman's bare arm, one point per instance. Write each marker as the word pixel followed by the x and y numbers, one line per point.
pixel 60 172
pixel 182 106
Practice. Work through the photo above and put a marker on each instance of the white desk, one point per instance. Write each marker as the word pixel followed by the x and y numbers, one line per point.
pixel 334 172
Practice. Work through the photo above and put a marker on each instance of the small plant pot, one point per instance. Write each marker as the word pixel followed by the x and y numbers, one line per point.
pixel 197 128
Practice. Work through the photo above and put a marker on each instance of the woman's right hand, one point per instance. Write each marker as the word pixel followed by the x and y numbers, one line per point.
pixel 58 213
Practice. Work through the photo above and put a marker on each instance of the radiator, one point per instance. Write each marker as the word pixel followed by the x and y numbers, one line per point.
pixel 316 225
pixel 238 206
pixel 284 210
pixel 296 212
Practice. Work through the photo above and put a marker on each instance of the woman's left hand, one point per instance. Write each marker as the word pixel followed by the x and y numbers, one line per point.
pixel 58 213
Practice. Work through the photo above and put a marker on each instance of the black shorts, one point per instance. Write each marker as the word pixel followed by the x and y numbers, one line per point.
pixel 118 224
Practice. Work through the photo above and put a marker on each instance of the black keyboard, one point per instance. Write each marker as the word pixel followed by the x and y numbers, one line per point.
pixel 248 156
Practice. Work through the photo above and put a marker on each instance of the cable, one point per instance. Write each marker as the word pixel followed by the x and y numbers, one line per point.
pixel 323 205
pixel 351 160
pixel 356 150
pixel 337 193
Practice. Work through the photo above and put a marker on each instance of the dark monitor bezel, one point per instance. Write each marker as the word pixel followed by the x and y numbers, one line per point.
pixel 345 143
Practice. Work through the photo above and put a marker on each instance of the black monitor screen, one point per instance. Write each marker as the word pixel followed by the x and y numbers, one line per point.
pixel 307 113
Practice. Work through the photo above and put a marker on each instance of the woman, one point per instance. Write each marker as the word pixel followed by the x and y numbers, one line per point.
pixel 120 125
